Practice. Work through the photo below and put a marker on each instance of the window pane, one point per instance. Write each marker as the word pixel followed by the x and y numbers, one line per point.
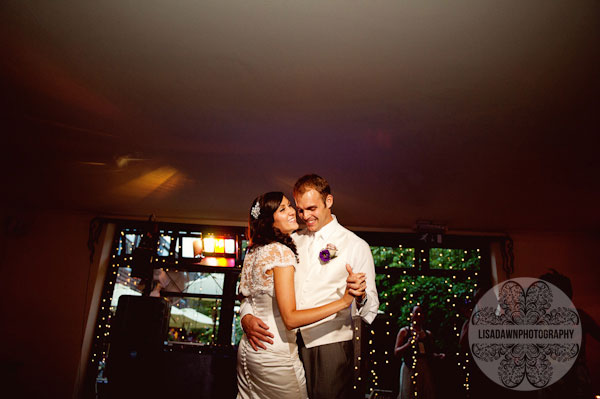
pixel 125 285
pixel 393 256
pixel 245 244
pixel 164 245
pixel 442 298
pixel 194 320
pixel 189 282
pixel 128 243
pixel 237 325
pixel 206 283
pixel 192 247
pixel 454 259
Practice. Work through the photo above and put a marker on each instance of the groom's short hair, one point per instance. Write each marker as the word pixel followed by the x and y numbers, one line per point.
pixel 312 181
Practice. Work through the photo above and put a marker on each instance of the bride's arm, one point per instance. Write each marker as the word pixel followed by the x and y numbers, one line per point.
pixel 283 279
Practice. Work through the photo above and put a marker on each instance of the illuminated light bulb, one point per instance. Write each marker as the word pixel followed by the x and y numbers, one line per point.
pixel 209 244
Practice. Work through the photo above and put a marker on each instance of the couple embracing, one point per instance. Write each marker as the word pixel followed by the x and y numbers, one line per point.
pixel 301 289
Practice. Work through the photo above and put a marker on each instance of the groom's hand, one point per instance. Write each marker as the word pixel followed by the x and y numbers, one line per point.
pixel 256 331
pixel 356 283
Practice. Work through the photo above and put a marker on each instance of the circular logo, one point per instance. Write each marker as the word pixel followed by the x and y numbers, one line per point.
pixel 524 334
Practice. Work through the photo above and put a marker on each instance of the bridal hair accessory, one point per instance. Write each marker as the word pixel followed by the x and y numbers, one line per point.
pixel 327 254
pixel 255 212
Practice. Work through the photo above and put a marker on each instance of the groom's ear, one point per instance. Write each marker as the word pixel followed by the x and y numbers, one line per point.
pixel 329 201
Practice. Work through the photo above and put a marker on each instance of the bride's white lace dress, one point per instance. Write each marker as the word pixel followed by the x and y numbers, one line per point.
pixel 276 372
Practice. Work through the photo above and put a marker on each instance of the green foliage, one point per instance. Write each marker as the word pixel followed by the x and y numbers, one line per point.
pixel 205 335
pixel 442 298
pixel 237 329
pixel 453 259
pixel 393 257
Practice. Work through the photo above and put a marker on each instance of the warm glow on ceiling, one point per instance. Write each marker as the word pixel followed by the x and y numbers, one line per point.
pixel 141 187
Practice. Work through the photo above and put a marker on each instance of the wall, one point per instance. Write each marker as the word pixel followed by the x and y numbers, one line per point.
pixel 574 255
pixel 45 268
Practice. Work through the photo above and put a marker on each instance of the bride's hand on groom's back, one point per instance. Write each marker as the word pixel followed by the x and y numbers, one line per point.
pixel 256 332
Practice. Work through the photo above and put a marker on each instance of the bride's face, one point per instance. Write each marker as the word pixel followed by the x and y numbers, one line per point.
pixel 284 217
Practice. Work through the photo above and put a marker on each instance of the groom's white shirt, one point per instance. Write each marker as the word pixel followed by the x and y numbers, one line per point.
pixel 318 283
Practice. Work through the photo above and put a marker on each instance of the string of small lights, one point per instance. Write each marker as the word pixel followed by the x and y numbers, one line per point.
pixel 409 281
pixel 121 279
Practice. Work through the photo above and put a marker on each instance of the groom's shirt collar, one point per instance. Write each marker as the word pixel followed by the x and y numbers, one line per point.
pixel 327 230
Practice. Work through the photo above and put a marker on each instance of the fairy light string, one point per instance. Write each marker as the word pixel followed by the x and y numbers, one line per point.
pixel 409 283
pixel 119 274
pixel 376 359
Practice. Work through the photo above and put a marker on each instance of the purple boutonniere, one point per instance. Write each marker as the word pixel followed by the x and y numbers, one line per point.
pixel 327 254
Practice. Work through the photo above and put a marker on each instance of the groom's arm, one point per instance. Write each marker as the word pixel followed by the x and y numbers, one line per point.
pixel 254 327
pixel 363 263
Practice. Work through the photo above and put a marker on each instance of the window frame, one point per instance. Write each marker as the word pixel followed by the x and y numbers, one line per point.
pixel 172 262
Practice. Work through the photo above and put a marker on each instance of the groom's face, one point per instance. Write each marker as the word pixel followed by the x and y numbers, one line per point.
pixel 313 210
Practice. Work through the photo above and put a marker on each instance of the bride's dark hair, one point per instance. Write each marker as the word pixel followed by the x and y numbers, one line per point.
pixel 260 229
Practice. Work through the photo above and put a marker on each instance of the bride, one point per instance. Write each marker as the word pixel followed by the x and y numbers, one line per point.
pixel 267 282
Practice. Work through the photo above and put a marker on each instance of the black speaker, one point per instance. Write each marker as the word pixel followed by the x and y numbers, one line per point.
pixel 137 339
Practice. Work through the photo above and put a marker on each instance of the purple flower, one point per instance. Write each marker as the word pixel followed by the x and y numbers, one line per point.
pixel 325 256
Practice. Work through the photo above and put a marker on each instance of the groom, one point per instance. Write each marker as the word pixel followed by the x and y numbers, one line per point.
pixel 325 347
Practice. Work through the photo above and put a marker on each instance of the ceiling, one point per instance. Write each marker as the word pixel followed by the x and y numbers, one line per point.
pixel 479 114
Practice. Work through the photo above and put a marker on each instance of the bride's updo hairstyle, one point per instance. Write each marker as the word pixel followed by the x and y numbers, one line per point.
pixel 260 222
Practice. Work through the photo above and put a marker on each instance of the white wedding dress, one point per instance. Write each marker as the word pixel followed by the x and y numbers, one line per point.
pixel 276 372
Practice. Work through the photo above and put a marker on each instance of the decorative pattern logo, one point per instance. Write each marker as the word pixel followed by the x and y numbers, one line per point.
pixel 525 334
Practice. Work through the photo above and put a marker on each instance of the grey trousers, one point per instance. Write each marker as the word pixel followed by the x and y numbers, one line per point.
pixel 329 370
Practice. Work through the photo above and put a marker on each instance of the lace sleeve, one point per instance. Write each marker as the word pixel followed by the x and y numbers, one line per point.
pixel 255 279
pixel 279 255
